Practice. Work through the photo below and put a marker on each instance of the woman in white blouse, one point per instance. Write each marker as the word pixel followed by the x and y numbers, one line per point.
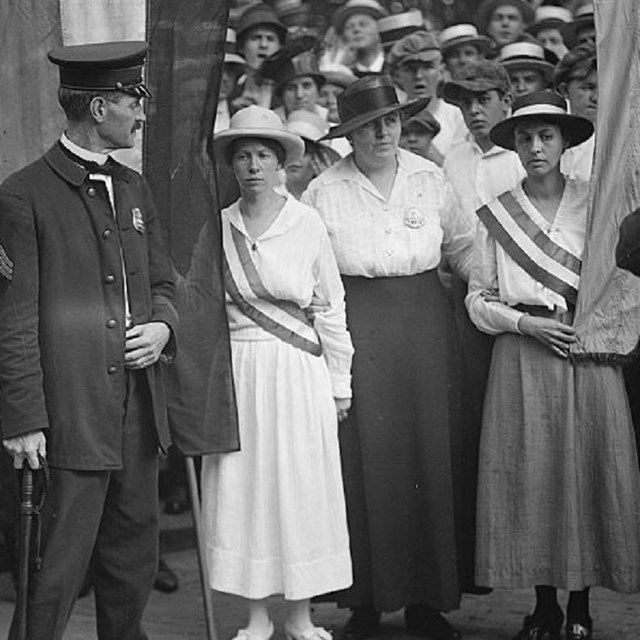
pixel 559 487
pixel 274 510
pixel 391 215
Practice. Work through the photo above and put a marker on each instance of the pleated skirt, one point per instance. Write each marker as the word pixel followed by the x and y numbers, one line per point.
pixel 559 485
pixel 396 445
pixel 274 512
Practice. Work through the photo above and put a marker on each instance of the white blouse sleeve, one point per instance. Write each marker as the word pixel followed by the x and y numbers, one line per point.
pixel 490 317
pixel 459 231
pixel 330 320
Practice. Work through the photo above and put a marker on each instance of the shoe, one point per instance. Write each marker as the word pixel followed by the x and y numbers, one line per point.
pixel 245 634
pixel 312 633
pixel 177 502
pixel 421 620
pixel 166 580
pixel 539 628
pixel 577 631
pixel 363 623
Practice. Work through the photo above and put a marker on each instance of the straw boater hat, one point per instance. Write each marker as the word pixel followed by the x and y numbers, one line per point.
pixel 259 15
pixel 393 28
pixel 483 15
pixel 231 56
pixel 352 7
pixel 547 106
pixel 258 122
pixel 526 55
pixel 583 17
pixel 549 17
pixel 368 99
pixel 461 34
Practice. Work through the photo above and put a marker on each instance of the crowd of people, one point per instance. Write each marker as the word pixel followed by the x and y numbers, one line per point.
pixel 403 215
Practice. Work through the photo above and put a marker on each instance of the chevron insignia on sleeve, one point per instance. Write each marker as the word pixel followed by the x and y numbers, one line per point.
pixel 6 264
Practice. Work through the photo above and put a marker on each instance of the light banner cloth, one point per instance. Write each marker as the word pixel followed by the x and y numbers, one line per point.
pixel 608 310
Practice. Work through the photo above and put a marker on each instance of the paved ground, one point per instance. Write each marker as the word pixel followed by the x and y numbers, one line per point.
pixel 179 615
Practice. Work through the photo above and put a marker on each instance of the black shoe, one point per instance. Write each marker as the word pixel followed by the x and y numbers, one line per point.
pixel 166 581
pixel 421 620
pixel 177 502
pixel 579 631
pixel 537 627
pixel 363 623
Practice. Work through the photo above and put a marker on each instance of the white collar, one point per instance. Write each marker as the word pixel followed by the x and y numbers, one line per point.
pixel 84 154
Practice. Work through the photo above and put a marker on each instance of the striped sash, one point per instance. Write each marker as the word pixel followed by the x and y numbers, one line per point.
pixel 530 247
pixel 282 318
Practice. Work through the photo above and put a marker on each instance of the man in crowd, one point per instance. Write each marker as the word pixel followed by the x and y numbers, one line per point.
pixel 461 44
pixel 527 67
pixel 85 317
pixel 504 21
pixel 416 62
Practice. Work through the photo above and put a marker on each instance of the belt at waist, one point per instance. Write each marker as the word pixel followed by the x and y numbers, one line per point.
pixel 544 312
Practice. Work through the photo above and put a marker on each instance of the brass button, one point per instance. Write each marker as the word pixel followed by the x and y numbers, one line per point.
pixel 111 323
pixel 106 233
pixel 91 192
pixel 112 369
pixel 109 279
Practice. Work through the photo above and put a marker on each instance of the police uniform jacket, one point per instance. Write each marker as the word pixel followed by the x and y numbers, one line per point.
pixel 62 306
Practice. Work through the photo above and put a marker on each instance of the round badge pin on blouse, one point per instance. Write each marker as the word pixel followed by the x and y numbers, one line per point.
pixel 414 218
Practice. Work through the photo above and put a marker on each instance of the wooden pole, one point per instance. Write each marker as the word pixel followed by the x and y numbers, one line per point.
pixel 201 547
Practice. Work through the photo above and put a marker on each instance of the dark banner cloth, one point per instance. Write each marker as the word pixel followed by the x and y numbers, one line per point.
pixel 186 54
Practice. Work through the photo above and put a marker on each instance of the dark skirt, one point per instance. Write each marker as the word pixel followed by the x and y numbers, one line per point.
pixel 396 445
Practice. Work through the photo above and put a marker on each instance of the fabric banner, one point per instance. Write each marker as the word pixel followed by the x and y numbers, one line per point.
pixel 187 45
pixel 30 119
pixel 608 311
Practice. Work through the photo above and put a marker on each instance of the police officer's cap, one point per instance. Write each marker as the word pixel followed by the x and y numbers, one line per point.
pixel 108 66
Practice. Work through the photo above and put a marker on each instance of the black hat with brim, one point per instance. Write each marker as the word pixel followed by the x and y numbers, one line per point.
pixel 106 66
pixel 545 106
pixel 368 99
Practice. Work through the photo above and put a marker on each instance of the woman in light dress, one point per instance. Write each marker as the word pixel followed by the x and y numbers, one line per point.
pixel 559 486
pixel 274 511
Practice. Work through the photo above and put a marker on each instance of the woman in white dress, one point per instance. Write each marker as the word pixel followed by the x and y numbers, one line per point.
pixel 559 485
pixel 274 511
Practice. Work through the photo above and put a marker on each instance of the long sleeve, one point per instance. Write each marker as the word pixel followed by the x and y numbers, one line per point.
pixel 457 243
pixel 23 406
pixel 330 319
pixel 490 317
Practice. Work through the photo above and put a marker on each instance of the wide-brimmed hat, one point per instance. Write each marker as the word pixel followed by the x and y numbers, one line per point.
pixel 547 106
pixel 307 125
pixel 231 56
pixel 258 122
pixel 460 34
pixel 583 17
pixel 421 46
pixel 549 17
pixel 259 15
pixel 397 26
pixel 338 74
pixel 477 77
pixel 367 99
pixel 483 15
pixel 526 55
pixel 352 7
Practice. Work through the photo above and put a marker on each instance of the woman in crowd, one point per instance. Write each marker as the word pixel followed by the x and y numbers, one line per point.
pixel 274 511
pixel 317 155
pixel 559 487
pixel 390 217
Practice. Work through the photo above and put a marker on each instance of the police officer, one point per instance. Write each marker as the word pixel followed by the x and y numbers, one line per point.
pixel 86 316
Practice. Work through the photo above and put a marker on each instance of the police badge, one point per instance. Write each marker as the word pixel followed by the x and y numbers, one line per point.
pixel 138 220
pixel 414 218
